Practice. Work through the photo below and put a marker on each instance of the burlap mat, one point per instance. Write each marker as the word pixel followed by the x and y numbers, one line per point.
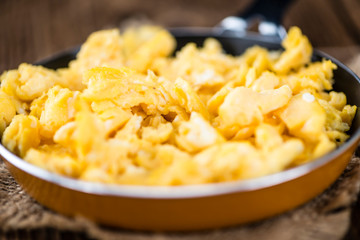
pixel 325 217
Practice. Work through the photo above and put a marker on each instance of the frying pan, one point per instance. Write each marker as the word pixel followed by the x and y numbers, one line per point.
pixel 199 206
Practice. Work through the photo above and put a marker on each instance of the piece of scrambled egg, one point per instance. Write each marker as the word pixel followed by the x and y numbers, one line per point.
pixel 126 112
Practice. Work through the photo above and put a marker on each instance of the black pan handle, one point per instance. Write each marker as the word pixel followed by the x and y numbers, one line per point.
pixel 265 13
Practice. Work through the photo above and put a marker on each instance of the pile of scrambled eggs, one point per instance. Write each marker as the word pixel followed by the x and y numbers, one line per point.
pixel 126 112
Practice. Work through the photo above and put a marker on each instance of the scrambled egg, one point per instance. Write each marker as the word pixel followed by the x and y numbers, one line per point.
pixel 127 112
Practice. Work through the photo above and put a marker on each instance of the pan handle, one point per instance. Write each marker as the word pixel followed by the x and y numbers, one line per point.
pixel 267 14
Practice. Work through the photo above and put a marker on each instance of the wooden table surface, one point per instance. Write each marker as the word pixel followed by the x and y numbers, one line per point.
pixel 31 30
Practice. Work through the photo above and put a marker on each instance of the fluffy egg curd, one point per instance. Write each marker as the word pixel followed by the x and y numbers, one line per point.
pixel 126 111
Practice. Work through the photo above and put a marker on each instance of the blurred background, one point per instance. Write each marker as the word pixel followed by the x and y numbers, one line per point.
pixel 32 30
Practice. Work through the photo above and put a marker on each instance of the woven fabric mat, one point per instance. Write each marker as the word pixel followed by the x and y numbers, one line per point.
pixel 325 217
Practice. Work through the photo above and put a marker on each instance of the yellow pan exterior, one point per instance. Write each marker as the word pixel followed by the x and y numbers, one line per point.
pixel 193 213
